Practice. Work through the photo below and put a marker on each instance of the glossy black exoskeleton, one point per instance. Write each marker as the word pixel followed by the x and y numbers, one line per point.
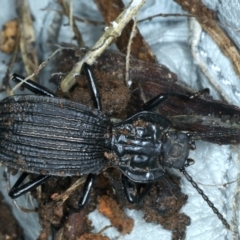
pixel 51 136
pixel 142 147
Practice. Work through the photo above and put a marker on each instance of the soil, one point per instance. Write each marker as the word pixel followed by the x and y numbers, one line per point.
pixel 9 228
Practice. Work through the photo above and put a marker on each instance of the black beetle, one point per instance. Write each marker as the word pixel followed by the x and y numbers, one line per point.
pixel 56 137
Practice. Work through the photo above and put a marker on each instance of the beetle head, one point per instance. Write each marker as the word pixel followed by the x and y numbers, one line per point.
pixel 175 149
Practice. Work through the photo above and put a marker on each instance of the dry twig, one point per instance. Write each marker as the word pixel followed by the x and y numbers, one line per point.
pixel 133 33
pixel 27 38
pixel 68 12
pixel 111 33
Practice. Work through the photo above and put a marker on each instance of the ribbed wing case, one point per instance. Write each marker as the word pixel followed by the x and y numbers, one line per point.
pixel 52 136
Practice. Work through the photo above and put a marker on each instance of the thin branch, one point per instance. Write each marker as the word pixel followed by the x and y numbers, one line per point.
pixel 27 37
pixel 107 38
pixel 42 65
pixel 133 33
pixel 69 13
pixel 165 15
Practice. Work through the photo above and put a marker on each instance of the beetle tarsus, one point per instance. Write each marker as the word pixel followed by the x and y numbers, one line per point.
pixel 93 85
pixel 32 86
pixel 86 190
pixel 132 191
pixel 17 190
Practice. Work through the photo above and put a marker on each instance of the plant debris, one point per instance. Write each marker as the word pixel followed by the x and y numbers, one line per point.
pixel 110 209
pixel 9 35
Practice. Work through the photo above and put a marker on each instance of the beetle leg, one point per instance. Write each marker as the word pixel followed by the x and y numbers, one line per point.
pixel 86 190
pixel 93 85
pixel 131 191
pixel 32 86
pixel 18 190
pixel 97 102
pixel 159 99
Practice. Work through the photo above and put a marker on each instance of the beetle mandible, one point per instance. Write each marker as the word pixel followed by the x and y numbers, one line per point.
pixel 51 136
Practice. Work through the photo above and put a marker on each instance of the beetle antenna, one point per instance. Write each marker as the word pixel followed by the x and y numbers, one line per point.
pixel 205 197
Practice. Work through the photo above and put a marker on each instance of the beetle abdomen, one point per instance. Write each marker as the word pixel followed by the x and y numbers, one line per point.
pixel 52 136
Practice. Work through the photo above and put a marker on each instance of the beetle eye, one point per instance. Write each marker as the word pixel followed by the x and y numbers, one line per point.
pixel 161 158
pixel 175 150
pixel 164 138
